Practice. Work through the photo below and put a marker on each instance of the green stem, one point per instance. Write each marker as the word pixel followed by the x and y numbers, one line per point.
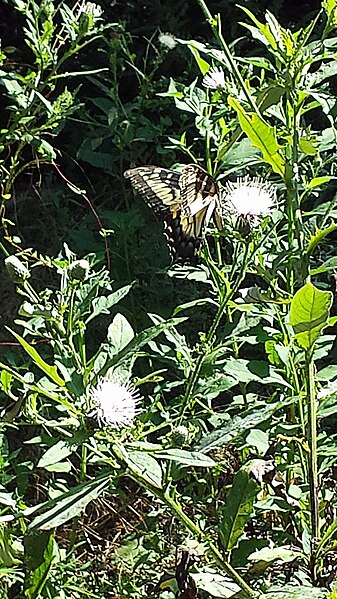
pixel 213 550
pixel 230 291
pixel 312 465
pixel 216 28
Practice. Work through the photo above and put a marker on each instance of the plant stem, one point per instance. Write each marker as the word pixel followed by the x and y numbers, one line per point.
pixel 312 465
pixel 213 550
pixel 216 28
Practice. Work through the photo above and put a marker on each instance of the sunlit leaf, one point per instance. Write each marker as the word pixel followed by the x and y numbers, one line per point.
pixel 309 314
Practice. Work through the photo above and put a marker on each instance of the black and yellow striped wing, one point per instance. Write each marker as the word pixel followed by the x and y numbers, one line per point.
pixel 185 201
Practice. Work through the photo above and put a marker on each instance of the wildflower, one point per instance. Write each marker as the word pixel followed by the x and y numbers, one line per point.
pixel 249 197
pixel 16 270
pixel 214 78
pixel 167 40
pixel 79 270
pixel 114 402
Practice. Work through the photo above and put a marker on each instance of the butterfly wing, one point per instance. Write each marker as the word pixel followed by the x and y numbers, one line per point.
pixel 185 201
pixel 158 186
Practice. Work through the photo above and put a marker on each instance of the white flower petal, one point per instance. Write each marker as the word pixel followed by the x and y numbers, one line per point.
pixel 249 197
pixel 214 78
pixel 114 403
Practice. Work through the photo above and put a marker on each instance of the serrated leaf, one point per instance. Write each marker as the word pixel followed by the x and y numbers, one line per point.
pixel 309 314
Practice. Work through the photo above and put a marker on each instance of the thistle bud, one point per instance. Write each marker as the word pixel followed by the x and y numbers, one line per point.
pixel 79 270
pixel 180 436
pixel 16 270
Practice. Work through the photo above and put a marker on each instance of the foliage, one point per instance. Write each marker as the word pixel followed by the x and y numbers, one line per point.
pixel 224 483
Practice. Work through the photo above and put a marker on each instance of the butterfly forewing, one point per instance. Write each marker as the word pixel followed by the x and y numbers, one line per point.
pixel 159 187
pixel 185 200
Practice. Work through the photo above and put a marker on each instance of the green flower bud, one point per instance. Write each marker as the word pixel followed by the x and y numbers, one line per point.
pixel 79 270
pixel 16 270
pixel 180 436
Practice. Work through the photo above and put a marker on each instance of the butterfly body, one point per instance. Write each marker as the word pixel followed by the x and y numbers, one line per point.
pixel 185 201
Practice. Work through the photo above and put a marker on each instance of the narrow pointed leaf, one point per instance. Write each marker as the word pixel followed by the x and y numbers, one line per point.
pixel 50 371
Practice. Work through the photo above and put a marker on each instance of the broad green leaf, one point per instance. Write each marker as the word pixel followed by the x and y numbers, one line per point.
pixel 120 333
pixel 142 465
pixel 58 452
pixel 50 371
pixel 138 342
pixel 187 458
pixel 102 304
pixel 292 592
pixel 238 509
pixel 215 584
pixel 269 555
pixel 309 314
pixel 70 504
pixel 261 135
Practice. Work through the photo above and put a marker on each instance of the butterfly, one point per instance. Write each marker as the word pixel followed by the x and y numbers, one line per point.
pixel 185 201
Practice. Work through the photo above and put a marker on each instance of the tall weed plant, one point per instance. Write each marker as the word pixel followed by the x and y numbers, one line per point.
pixel 232 439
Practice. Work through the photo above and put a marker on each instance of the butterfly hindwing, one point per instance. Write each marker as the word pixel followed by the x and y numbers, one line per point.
pixel 185 201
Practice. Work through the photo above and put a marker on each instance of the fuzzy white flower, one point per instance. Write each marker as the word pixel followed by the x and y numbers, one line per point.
pixel 167 40
pixel 249 197
pixel 114 402
pixel 214 78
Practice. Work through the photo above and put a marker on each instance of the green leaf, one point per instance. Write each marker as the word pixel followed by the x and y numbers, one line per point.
pixel 270 555
pixel 120 333
pixel 102 304
pixel 238 509
pixel 39 555
pixel 70 504
pixel 142 465
pixel 240 424
pixel 202 64
pixel 309 314
pixel 141 339
pixel 50 371
pixel 187 458
pixel 318 237
pixel 261 135
pixel 58 452
pixel 215 584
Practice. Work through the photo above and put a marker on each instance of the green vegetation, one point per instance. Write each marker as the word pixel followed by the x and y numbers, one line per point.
pixel 168 428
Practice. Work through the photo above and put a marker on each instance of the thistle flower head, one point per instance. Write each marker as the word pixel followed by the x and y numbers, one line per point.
pixel 114 402
pixel 249 197
pixel 214 78
pixel 167 40
pixel 16 270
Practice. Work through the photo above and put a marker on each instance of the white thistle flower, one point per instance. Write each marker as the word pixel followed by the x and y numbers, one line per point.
pixel 249 197
pixel 114 402
pixel 214 78
pixel 167 40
